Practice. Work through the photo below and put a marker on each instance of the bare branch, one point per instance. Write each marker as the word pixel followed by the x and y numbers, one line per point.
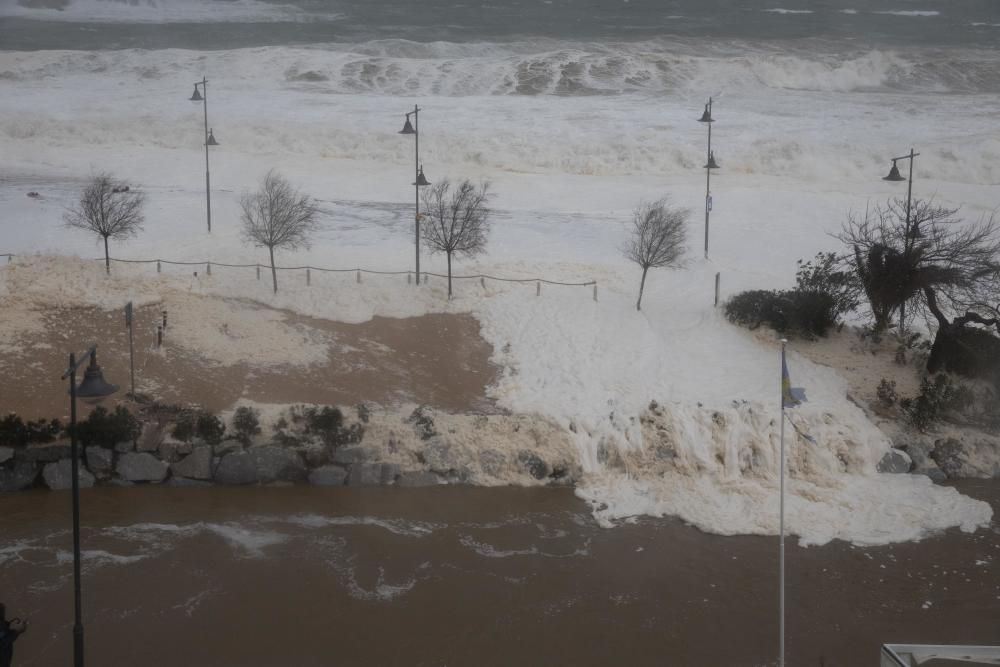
pixel 657 238
pixel 457 222
pixel 108 208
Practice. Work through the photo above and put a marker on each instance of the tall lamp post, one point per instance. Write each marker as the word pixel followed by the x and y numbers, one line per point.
pixel 910 231
pixel 418 171
pixel 710 164
pixel 209 141
pixel 92 386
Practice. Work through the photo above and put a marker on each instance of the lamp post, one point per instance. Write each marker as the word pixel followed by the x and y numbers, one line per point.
pixel 209 141
pixel 909 234
pixel 710 164
pixel 92 386
pixel 419 180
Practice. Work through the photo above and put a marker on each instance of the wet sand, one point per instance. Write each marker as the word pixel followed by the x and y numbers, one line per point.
pixel 438 359
pixel 464 576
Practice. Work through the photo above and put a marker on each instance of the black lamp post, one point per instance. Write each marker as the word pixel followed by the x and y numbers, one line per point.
pixel 420 180
pixel 710 164
pixel 910 235
pixel 92 386
pixel 209 141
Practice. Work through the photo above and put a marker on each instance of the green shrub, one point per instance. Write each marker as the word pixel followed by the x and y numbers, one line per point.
pixel 328 424
pixel 14 432
pixel 184 427
pixel 824 273
pixel 807 313
pixel 886 393
pixel 210 428
pixel 936 397
pixel 106 429
pixel 246 423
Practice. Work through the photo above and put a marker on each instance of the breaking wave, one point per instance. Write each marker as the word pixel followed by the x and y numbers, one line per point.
pixel 152 11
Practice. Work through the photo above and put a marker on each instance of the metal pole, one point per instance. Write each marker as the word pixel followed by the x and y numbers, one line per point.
pixel 208 190
pixel 906 240
pixel 74 455
pixel 131 348
pixel 416 186
pixel 708 175
pixel 781 547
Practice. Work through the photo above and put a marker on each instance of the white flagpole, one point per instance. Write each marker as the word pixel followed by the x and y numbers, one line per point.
pixel 781 547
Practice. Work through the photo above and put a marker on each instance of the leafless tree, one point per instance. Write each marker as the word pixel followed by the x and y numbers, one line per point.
pixel 108 208
pixel 277 216
pixel 458 221
pixel 657 238
pixel 932 259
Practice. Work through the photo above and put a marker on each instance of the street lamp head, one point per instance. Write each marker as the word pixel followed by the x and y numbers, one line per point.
pixel 894 174
pixel 211 139
pixel 421 180
pixel 706 117
pixel 93 385
pixel 407 128
pixel 712 164
pixel 196 96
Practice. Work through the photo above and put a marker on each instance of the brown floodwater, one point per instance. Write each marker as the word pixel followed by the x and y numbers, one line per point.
pixel 463 576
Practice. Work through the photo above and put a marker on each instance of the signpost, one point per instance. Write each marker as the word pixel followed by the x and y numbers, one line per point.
pixel 131 348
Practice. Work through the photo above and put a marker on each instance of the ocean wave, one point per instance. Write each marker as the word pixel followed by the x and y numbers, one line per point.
pixel 535 68
pixel 154 11
pixel 781 10
pixel 910 12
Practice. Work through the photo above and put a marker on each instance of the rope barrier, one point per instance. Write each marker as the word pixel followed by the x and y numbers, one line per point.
pixel 479 276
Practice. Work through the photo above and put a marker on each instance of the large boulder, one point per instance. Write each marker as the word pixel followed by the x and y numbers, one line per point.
pixel 6 454
pixel 414 478
pixel 895 461
pixel 236 468
pixel 533 464
pixel 196 465
pixel 328 476
pixel 151 438
pixel 20 475
pixel 390 473
pixel 101 461
pixel 964 458
pixel 48 452
pixel 276 463
pixel 365 474
pixel 350 455
pixel 171 449
pixel 58 476
pixel 141 467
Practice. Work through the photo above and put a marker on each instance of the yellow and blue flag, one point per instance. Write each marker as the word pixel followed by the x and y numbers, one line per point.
pixel 790 396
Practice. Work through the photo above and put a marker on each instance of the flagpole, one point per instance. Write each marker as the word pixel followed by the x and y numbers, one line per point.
pixel 781 544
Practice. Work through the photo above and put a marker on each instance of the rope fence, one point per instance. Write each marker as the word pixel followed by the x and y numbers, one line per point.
pixel 482 277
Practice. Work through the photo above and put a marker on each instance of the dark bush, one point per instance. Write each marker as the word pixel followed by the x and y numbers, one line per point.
pixel 328 424
pixel 184 427
pixel 936 397
pixel 14 432
pixel 825 273
pixel 210 428
pixel 106 429
pixel 806 313
pixel 886 393
pixel 971 352
pixel 246 423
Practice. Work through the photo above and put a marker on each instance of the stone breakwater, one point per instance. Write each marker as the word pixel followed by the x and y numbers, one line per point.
pixel 381 447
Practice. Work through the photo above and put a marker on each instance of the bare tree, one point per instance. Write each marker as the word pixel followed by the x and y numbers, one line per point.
pixel 108 208
pixel 458 221
pixel 277 216
pixel 657 240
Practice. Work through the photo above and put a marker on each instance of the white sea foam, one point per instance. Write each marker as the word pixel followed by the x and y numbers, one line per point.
pixel 780 10
pixel 397 527
pixel 911 12
pixel 245 541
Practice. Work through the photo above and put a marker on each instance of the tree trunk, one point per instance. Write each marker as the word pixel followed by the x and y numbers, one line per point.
pixel 107 257
pixel 274 272
pixel 449 275
pixel 642 285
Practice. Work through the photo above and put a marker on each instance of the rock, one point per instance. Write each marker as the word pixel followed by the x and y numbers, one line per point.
pixel 141 467
pixel 59 476
pixel 492 462
pixel 171 450
pixel 949 454
pixel 196 465
pixel 314 455
pixel 438 456
pixel 895 461
pixel 531 462
pixel 151 438
pixel 48 452
pixel 19 476
pixel 423 423
pixel 184 482
pixel 412 478
pixel 276 463
pixel 390 471
pixel 236 468
pixel 350 455
pixel 124 446
pixel 934 473
pixel 6 454
pixel 101 461
pixel 328 476
pixel 227 446
pixel 365 474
